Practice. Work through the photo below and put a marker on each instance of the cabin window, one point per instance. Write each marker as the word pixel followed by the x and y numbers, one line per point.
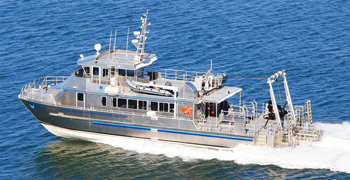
pixel 140 72
pixel 104 72
pixel 154 106
pixel 121 72
pixel 80 97
pixel 142 105
pixel 114 102
pixel 104 101
pixel 166 107
pixel 112 71
pixel 132 104
pixel 122 103
pixel 79 73
pixel 96 71
pixel 163 107
pixel 171 107
pixel 87 70
pixel 130 73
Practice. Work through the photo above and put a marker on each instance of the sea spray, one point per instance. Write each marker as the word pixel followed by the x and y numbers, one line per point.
pixel 332 152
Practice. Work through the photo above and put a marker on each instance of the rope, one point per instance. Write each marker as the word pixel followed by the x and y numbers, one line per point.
pixel 279 93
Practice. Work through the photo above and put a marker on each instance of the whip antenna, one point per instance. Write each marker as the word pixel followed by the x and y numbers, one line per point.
pixel 110 41
pixel 127 42
pixel 115 39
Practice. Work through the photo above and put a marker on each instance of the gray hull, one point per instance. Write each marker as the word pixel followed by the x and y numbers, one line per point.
pixel 91 125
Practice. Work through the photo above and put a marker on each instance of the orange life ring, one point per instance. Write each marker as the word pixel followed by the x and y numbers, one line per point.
pixel 188 110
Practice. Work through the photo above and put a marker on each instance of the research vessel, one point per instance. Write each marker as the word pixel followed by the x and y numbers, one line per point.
pixel 118 93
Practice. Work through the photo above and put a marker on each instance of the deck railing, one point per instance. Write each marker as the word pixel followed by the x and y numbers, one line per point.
pixel 248 111
pixel 180 75
pixel 53 80
pixel 42 83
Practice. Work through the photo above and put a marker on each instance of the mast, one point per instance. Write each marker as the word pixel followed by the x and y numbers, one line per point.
pixel 141 38
pixel 110 41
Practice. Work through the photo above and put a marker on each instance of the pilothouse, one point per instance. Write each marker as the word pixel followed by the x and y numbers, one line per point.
pixel 118 93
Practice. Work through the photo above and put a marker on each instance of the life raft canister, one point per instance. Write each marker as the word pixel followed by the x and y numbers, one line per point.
pixel 188 110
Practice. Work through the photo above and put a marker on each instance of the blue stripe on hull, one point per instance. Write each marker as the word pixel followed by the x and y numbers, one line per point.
pixel 172 131
pixel 121 125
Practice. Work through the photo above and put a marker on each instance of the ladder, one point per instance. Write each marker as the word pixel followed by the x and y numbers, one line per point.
pixel 261 138
pixel 309 111
pixel 201 111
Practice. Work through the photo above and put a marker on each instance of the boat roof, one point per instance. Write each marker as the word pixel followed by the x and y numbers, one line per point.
pixel 121 59
pixel 221 94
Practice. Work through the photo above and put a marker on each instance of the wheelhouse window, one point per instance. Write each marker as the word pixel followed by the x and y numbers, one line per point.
pixel 112 71
pixel 114 102
pixel 132 104
pixel 142 105
pixel 79 73
pixel 140 72
pixel 104 101
pixel 154 106
pixel 104 72
pixel 122 72
pixel 130 73
pixel 80 97
pixel 122 103
pixel 96 71
pixel 87 70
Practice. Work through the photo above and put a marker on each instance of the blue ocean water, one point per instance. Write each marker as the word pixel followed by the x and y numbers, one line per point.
pixel 247 39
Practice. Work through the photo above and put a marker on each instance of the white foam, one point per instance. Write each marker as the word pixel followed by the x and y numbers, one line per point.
pixel 332 152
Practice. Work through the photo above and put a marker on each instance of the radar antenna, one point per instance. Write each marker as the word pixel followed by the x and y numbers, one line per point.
pixel 141 38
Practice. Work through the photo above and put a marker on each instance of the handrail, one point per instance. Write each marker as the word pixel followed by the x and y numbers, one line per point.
pixel 244 111
pixel 182 75
pixel 42 83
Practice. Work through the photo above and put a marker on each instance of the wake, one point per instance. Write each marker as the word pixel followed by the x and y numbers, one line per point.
pixel 332 152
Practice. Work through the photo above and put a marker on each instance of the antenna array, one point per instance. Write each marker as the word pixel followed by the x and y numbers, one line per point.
pixel 141 38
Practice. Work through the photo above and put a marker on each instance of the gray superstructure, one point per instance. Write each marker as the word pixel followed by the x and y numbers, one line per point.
pixel 113 94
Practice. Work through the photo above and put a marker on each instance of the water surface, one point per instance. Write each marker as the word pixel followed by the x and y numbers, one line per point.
pixel 246 39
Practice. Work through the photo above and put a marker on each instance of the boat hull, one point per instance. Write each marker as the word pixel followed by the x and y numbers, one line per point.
pixel 92 125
